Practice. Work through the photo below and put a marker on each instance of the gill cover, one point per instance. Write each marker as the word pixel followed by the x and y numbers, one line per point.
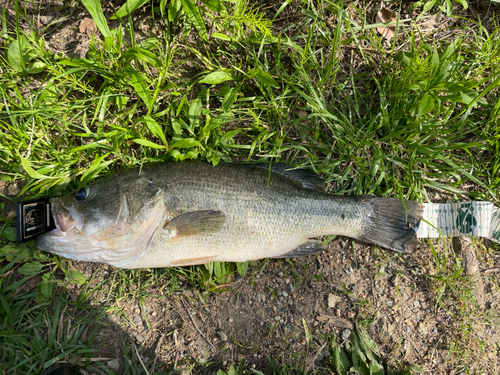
pixel 115 220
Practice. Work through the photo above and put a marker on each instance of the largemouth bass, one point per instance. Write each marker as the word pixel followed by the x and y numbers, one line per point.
pixel 187 213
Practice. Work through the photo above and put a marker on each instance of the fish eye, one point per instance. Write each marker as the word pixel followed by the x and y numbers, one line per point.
pixel 82 194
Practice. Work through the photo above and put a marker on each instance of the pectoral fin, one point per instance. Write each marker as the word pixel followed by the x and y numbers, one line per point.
pixel 196 223
pixel 307 248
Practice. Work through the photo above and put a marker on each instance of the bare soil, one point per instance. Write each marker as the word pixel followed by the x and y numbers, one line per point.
pixel 266 313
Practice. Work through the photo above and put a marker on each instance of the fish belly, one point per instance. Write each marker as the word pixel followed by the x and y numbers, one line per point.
pixel 218 247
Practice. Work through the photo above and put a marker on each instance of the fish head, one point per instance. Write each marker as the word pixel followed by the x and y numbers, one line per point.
pixel 109 221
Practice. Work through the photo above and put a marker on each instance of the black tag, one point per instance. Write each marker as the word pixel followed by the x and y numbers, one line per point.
pixel 33 218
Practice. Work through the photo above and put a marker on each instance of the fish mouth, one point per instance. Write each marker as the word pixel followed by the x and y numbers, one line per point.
pixel 67 239
pixel 107 242
pixel 66 219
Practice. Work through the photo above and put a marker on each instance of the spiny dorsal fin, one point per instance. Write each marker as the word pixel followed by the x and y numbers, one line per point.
pixel 307 248
pixel 196 223
pixel 303 177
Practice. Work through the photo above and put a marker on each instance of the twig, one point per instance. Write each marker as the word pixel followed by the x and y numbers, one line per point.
pixel 140 360
pixel 187 306
pixel 491 270
pixel 316 356
pixel 157 351
pixel 176 348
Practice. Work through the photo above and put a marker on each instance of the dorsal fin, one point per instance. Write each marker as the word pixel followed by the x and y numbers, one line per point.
pixel 303 177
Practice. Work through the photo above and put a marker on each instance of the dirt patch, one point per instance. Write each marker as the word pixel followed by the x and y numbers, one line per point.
pixel 267 312
pixel 8 191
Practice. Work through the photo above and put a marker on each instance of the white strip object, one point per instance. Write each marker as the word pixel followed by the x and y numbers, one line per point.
pixel 480 219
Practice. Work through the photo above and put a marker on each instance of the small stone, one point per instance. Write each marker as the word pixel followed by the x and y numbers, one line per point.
pixel 87 25
pixel 333 300
pixel 277 317
pixel 390 329
pixel 422 328
pixel 416 304
pixel 389 303
pixel 45 20
pixel 395 280
pixel 291 288
pixel 355 292
pixel 261 312
pixel 137 337
pixel 239 278
pixel 114 364
pixel 260 297
pixel 346 333
pixel 230 320
pixel 223 336
pixel 351 314
pixel 284 294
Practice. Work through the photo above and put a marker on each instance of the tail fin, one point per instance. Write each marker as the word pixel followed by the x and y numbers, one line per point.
pixel 392 224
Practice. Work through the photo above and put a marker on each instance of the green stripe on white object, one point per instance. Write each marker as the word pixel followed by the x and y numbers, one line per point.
pixel 480 219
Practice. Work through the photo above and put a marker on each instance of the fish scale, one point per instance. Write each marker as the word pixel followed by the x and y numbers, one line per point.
pixel 235 212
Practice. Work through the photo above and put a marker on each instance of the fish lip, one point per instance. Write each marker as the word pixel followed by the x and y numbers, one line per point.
pixel 65 218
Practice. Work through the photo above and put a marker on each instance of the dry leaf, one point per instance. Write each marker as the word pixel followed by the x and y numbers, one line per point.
pixel 336 321
pixel 384 15
pixel 87 25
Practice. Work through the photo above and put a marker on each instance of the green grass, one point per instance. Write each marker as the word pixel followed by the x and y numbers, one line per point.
pixel 311 85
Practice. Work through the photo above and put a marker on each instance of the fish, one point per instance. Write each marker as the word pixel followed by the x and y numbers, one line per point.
pixel 191 212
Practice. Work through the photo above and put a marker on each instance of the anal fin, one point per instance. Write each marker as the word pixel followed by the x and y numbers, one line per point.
pixel 307 248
